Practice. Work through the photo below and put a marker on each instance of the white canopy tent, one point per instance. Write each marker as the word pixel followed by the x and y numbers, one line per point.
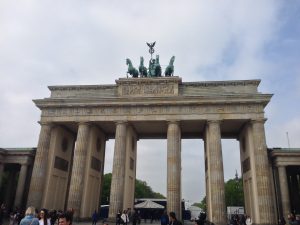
pixel 148 204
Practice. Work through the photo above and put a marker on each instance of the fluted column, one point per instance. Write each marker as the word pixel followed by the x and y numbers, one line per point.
pixel 1 172
pixel 216 198
pixel 174 168
pixel 21 185
pixel 284 191
pixel 118 171
pixel 78 169
pixel 263 182
pixel 40 167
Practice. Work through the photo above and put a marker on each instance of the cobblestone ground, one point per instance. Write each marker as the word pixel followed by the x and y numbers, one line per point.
pixel 186 222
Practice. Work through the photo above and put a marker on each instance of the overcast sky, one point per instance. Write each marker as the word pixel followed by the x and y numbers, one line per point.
pixel 46 43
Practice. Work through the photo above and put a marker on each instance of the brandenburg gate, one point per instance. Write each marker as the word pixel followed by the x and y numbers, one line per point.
pixel 76 121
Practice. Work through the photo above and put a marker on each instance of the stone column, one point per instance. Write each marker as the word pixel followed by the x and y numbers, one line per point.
pixel 78 169
pixel 39 172
pixel 174 169
pixel 284 191
pixel 21 185
pixel 216 193
pixel 118 171
pixel 1 172
pixel 261 168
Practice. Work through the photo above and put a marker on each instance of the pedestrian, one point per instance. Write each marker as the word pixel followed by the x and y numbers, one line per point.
pixel 118 218
pixel 65 219
pixel 44 220
pixel 173 220
pixel 30 218
pixel 248 220
pixel 164 219
pixel 94 218
pixel 125 217
pixel 134 217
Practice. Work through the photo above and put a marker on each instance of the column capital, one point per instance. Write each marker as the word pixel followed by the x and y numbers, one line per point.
pixel 44 123
pixel 257 120
pixel 83 123
pixel 214 121
pixel 173 122
pixel 121 122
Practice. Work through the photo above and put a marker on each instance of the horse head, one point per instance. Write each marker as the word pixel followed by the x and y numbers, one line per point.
pixel 128 62
pixel 142 61
pixel 172 60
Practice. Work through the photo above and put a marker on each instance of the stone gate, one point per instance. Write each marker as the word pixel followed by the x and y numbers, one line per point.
pixel 77 120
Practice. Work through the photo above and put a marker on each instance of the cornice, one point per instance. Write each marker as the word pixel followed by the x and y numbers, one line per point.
pixel 178 100
pixel 255 82
pixel 80 87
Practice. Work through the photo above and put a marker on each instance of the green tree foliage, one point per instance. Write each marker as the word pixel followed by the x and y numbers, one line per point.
pixel 234 194
pixel 201 204
pixel 142 190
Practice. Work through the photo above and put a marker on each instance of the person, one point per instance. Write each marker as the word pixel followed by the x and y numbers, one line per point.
pixel 164 219
pixel 125 217
pixel 201 219
pixel 173 220
pixel 44 218
pixel 65 219
pixel 292 220
pixel 118 218
pixel 281 221
pixel 30 218
pixel 94 218
pixel 248 220
pixel 134 217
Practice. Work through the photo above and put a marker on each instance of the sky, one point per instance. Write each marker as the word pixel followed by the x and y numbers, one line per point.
pixel 78 42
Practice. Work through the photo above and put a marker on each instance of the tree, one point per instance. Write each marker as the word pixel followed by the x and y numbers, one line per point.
pixel 234 194
pixel 201 204
pixel 142 190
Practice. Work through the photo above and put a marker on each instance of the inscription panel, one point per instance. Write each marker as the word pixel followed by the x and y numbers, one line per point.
pixel 61 164
pixel 146 90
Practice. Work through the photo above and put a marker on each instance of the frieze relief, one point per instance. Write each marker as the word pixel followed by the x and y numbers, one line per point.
pixel 151 110
pixel 151 89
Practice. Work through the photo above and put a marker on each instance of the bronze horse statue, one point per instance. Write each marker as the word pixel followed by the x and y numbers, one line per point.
pixel 131 70
pixel 170 68
pixel 142 68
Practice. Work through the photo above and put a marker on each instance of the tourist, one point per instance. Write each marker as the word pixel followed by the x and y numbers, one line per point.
pixel 248 220
pixel 94 218
pixel 125 217
pixel 173 220
pixel 292 219
pixel 118 218
pixel 30 218
pixel 281 221
pixel 65 219
pixel 44 220
pixel 134 217
pixel 164 219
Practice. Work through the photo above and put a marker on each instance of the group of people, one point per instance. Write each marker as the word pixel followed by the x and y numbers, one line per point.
pixel 240 219
pixel 42 217
pixel 126 216
pixel 135 217
pixel 33 217
pixel 292 220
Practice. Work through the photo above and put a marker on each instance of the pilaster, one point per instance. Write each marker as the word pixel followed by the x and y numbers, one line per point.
pixel 21 185
pixel 284 191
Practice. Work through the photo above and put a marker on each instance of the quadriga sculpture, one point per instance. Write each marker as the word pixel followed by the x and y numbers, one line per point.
pixel 170 68
pixel 142 68
pixel 131 70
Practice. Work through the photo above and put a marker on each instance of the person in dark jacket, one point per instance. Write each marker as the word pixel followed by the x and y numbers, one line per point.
pixel 173 220
pixel 94 218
